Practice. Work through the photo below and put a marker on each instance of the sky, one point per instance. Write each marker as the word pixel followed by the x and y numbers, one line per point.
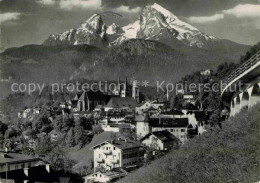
pixel 32 21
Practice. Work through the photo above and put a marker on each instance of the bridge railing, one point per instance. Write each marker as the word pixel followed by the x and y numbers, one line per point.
pixel 243 67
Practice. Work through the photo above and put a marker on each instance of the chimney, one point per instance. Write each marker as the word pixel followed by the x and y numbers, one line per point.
pixel 125 140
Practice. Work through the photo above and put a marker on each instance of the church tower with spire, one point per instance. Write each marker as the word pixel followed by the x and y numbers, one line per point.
pixel 135 92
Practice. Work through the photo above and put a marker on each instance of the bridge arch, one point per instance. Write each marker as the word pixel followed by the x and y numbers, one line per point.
pixel 255 95
pixel 232 108
pixel 245 100
pixel 237 104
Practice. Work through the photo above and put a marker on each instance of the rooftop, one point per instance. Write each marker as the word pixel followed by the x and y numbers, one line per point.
pixel 164 136
pixel 12 157
pixel 169 122
pixel 121 102
pixel 121 144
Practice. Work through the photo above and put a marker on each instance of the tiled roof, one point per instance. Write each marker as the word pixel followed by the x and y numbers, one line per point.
pixel 121 144
pixel 164 136
pixel 116 102
pixel 12 157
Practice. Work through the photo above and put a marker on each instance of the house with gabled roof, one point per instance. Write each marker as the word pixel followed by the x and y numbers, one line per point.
pixel 142 107
pixel 116 153
pixel 160 140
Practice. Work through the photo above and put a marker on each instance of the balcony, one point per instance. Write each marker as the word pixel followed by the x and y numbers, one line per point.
pixel 99 160
pixel 114 161
pixel 107 152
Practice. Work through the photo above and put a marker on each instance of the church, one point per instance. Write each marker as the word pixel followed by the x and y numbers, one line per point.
pixel 123 89
pixel 88 101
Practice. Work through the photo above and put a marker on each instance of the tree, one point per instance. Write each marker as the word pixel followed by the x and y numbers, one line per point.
pixel 97 129
pixel 70 139
pixel 3 128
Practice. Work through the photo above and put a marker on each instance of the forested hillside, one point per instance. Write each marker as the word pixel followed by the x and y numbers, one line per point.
pixel 230 154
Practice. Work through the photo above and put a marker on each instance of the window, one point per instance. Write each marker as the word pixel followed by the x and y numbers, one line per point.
pixel 114 148
pixel 182 130
pixel 171 130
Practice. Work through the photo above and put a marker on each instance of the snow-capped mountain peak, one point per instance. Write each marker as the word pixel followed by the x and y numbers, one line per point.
pixel 154 23
pixel 112 29
pixel 173 20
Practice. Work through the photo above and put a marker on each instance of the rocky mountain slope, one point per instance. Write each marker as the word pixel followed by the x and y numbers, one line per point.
pixel 154 23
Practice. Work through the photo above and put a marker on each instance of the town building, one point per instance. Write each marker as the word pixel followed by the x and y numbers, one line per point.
pixel 17 167
pixel 177 126
pixel 89 100
pixel 173 113
pixel 25 114
pixel 160 140
pixel 107 176
pixel 121 103
pixel 205 72
pixel 142 107
pixel 116 153
pixel 142 126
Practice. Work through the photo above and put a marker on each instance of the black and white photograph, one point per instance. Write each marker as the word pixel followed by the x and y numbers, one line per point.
pixel 130 91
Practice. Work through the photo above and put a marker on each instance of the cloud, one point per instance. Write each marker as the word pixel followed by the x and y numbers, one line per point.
pixel 206 19
pixel 4 17
pixel 126 9
pixel 239 11
pixel 70 4
pixel 46 2
pixel 244 10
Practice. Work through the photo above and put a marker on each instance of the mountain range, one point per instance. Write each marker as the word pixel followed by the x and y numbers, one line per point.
pixel 154 23
pixel 157 46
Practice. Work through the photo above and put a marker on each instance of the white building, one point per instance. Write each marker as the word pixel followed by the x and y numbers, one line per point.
pixel 142 126
pixel 116 153
pixel 25 114
pixel 107 176
pixel 160 140
pixel 205 72
pixel 141 108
